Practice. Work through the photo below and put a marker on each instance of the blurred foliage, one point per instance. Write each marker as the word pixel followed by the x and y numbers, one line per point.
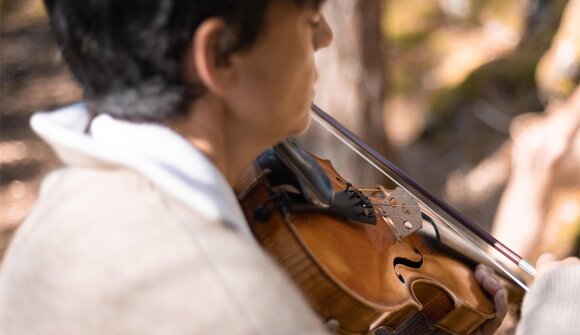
pixel 16 14
pixel 513 75
pixel 450 52
pixel 460 71
pixel 446 58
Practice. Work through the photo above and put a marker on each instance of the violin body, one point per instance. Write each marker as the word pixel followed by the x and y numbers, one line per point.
pixel 363 275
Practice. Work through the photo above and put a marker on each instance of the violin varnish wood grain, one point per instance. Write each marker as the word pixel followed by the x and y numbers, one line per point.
pixel 350 272
pixel 326 297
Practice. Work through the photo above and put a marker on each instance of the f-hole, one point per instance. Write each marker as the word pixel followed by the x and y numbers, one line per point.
pixel 408 263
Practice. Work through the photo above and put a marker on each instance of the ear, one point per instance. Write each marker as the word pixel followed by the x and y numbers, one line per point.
pixel 207 59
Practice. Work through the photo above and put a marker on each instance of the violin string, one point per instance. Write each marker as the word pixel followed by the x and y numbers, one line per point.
pixel 378 195
pixel 381 206
pixel 340 184
pixel 390 196
pixel 388 204
pixel 381 196
pixel 337 182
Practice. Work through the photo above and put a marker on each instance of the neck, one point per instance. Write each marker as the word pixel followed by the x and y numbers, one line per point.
pixel 227 142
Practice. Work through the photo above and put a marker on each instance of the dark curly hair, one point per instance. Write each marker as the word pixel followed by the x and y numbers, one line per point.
pixel 128 54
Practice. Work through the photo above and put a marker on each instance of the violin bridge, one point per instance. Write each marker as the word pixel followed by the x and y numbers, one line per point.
pixel 402 209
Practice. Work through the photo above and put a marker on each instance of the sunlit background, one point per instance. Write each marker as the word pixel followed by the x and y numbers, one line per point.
pixel 459 72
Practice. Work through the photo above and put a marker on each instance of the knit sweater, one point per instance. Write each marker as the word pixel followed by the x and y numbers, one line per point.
pixel 553 304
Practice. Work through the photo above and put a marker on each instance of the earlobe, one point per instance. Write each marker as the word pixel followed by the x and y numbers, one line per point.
pixel 207 59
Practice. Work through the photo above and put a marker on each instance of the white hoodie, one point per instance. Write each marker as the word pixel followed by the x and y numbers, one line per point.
pixel 154 150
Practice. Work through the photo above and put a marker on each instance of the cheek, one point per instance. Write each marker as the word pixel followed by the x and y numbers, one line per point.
pixel 299 91
pixel 288 83
pixel 300 77
pixel 278 88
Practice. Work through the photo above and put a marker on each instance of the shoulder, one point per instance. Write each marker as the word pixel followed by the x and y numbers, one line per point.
pixel 111 246
pixel 97 217
pixel 99 242
pixel 87 211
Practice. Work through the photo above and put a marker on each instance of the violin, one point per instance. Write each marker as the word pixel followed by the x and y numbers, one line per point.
pixel 373 260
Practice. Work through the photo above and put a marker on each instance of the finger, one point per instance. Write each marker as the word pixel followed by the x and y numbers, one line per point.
pixel 545 262
pixel 544 259
pixel 479 274
pixel 501 308
pixel 491 285
pixel 501 304
pixel 482 271
pixel 483 268
pixel 332 325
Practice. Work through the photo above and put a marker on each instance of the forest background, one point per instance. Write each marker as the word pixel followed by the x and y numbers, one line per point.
pixel 432 84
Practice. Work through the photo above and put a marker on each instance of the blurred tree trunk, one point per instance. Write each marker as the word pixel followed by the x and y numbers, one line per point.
pixel 352 79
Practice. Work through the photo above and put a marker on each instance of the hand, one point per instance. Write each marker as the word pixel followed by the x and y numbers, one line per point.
pixel 547 146
pixel 488 280
pixel 548 262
